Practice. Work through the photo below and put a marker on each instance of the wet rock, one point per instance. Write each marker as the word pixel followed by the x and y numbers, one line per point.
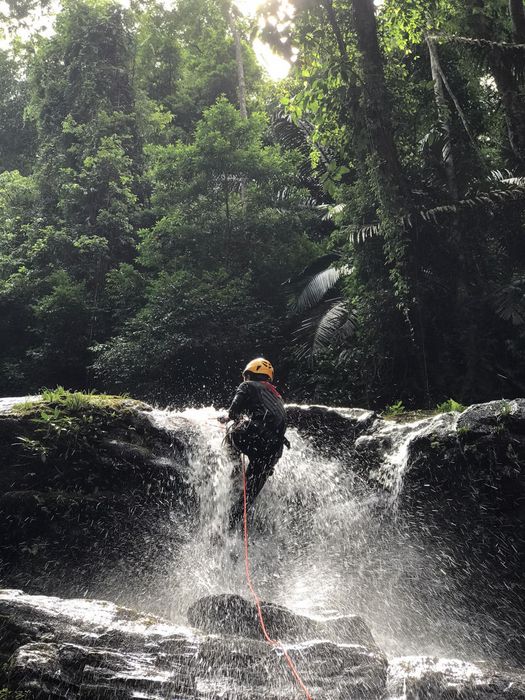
pixel 333 431
pixel 425 678
pixel 456 487
pixel 232 614
pixel 479 451
pixel 463 488
pixel 82 488
pixel 113 499
pixel 385 451
pixel 457 480
pixel 79 649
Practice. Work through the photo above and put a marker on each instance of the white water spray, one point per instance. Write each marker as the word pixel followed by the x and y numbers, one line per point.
pixel 322 542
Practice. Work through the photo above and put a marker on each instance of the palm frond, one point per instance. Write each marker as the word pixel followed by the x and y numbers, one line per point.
pixel 487 53
pixel 316 289
pixel 332 210
pixel 297 134
pixel 289 193
pixel 330 325
pixel 317 265
pixel 509 301
pixel 507 190
pixel 361 233
pixel 433 144
pixel 502 176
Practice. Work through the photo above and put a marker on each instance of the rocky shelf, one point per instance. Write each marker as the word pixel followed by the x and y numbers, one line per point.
pixel 90 649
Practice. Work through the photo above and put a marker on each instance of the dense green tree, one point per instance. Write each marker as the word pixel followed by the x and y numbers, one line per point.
pixel 410 167
pixel 84 108
pixel 156 192
pixel 217 259
pixel 17 136
pixel 88 188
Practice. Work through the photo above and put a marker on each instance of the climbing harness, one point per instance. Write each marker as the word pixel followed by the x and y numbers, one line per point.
pixel 276 644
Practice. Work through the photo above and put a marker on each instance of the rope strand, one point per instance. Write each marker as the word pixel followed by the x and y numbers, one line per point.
pixel 273 642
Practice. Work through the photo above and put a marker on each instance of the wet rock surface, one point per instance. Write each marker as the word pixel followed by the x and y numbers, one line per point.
pixel 426 678
pixel 55 648
pixel 464 487
pixel 232 614
pixel 458 480
pixel 78 649
pixel 333 431
pixel 81 488
pixel 114 500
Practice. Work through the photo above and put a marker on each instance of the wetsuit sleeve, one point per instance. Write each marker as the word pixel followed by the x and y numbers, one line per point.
pixel 241 403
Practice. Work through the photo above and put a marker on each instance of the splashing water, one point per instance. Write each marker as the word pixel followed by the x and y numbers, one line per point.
pixel 400 436
pixel 322 542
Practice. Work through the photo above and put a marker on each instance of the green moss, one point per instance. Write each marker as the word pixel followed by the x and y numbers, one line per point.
pixel 408 416
pixel 397 411
pixel 6 694
pixel 61 423
pixel 449 406
pixel 506 409
pixel 74 401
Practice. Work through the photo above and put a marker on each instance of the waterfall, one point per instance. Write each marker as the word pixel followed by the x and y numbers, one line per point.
pixel 322 542
pixel 413 525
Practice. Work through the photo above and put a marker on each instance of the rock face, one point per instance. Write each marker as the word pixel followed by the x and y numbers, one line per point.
pixel 423 678
pixel 56 648
pixel 333 431
pixel 82 487
pixel 457 480
pixel 80 649
pixel 464 487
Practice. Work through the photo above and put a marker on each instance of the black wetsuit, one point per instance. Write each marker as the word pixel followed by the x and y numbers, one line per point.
pixel 260 416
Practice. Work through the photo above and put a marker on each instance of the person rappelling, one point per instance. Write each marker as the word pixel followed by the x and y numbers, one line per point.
pixel 258 430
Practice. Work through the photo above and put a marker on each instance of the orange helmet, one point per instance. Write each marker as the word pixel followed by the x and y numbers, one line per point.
pixel 260 366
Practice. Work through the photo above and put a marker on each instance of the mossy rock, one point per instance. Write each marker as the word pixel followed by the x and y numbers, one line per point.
pixel 85 479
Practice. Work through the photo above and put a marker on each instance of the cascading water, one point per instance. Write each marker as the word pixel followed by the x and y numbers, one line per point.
pixel 399 437
pixel 322 542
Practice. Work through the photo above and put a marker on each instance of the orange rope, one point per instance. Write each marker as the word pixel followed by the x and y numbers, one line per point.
pixel 273 642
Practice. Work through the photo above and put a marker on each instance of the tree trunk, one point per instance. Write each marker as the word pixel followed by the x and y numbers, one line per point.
pixel 517 15
pixel 394 193
pixel 376 97
pixel 508 87
pixel 514 105
pixel 241 83
pixel 444 118
pixel 336 29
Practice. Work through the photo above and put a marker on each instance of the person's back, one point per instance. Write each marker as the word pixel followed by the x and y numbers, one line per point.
pixel 260 401
pixel 259 428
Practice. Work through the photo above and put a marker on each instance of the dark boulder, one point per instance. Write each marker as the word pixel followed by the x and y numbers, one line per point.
pixel 232 614
pixel 332 431
pixel 463 489
pixel 82 488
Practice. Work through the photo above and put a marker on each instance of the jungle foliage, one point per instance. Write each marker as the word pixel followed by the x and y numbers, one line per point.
pixel 167 212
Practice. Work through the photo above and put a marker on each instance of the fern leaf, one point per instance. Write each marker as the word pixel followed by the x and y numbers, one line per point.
pixel 509 301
